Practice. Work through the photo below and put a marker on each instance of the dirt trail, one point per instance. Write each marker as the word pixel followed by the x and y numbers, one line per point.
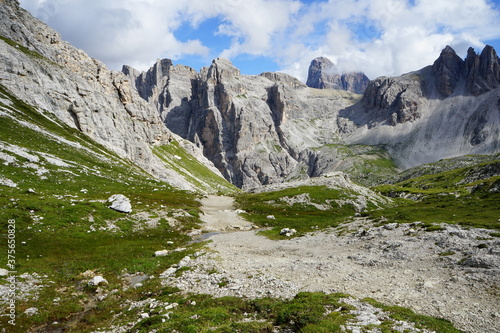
pixel 397 264
pixel 219 215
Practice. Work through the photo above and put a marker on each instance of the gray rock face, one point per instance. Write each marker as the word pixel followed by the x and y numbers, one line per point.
pixel 394 100
pixel 445 110
pixel 51 74
pixel 448 70
pixel 323 75
pixel 481 72
pixel 246 125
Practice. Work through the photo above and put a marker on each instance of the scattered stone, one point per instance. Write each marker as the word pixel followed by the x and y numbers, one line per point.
pixel 4 272
pixel 184 262
pixel 88 274
pixel 288 232
pixel 120 203
pixel 171 306
pixel 162 253
pixel 97 281
pixel 31 311
pixel 169 272
pixel 270 217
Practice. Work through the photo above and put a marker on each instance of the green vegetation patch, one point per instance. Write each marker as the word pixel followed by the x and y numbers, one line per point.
pixel 420 321
pixel 467 196
pixel 365 164
pixel 176 158
pixel 304 208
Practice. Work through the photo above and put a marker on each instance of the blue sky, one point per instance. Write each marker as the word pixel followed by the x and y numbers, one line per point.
pixel 378 37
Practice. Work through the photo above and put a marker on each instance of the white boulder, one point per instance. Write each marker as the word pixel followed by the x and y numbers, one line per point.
pixel 161 253
pixel 120 203
pixel 98 280
pixel 288 232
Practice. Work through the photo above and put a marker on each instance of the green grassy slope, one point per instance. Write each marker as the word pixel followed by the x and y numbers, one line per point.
pixel 468 196
pixel 54 184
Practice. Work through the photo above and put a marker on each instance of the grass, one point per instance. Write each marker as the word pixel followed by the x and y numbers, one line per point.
pixel 420 321
pixel 366 165
pixel 191 169
pixel 445 197
pixel 302 216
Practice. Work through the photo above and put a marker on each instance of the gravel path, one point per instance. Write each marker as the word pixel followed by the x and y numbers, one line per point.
pixel 453 273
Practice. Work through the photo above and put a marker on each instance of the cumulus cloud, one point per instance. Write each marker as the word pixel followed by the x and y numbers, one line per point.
pixel 390 37
pixel 379 37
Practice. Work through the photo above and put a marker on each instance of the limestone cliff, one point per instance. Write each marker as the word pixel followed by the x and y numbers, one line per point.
pixel 255 129
pixel 45 71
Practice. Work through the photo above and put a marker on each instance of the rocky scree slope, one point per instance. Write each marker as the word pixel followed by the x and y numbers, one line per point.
pixel 44 71
pixel 322 74
pixel 445 110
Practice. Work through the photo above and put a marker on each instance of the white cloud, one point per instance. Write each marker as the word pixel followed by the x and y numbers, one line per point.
pixel 391 37
pixel 379 37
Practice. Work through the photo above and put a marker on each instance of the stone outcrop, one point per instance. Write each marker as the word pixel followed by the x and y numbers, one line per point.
pixel 395 100
pixel 322 74
pixel 120 203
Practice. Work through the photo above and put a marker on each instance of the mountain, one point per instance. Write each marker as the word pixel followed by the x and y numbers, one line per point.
pixel 51 75
pixel 272 128
pixel 256 129
pixel 322 74
pixel 445 110
pixel 106 209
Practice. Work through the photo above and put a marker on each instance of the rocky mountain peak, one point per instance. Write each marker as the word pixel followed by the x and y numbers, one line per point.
pixel 480 71
pixel 448 70
pixel 323 74
pixel 222 67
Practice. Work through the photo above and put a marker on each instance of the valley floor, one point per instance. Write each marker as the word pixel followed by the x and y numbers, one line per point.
pixel 452 273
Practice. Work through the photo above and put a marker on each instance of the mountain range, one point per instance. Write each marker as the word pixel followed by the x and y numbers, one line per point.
pixel 400 175
pixel 271 128
pixel 263 129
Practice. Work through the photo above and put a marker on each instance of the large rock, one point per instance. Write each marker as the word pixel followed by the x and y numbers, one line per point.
pixel 120 203
pixel 322 74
